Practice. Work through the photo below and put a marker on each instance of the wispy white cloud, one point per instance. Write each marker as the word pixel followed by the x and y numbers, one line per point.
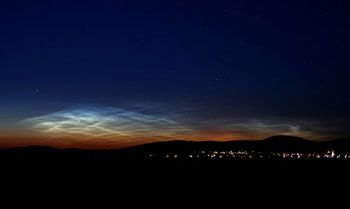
pixel 107 123
pixel 265 128
pixel 146 123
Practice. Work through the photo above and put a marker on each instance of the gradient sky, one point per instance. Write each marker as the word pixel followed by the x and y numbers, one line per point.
pixel 97 73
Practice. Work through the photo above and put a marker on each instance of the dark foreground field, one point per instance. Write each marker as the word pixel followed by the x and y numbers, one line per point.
pixel 190 177
pixel 274 158
pixel 100 173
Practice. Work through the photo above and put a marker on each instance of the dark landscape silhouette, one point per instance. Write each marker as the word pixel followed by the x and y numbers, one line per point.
pixel 283 157
pixel 273 148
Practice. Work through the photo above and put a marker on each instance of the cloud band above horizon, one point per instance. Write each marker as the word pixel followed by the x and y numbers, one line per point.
pixel 101 126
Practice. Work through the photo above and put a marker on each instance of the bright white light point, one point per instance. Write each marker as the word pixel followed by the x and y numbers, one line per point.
pixel 333 154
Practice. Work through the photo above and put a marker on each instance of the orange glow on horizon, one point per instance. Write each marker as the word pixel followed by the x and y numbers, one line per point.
pixel 98 127
pixel 17 140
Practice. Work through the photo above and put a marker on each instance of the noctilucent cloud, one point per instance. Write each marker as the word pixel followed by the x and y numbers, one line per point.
pixel 104 74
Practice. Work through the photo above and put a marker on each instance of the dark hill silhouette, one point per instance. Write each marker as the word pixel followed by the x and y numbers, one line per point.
pixel 287 143
pixel 286 139
pixel 339 144
pixel 275 143
pixel 149 161
pixel 35 148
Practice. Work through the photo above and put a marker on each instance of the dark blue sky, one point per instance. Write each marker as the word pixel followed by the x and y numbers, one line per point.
pixel 224 59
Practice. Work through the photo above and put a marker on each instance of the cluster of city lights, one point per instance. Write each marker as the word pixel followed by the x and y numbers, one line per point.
pixel 331 154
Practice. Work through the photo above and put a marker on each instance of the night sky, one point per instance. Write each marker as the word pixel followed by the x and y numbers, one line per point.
pixel 106 74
